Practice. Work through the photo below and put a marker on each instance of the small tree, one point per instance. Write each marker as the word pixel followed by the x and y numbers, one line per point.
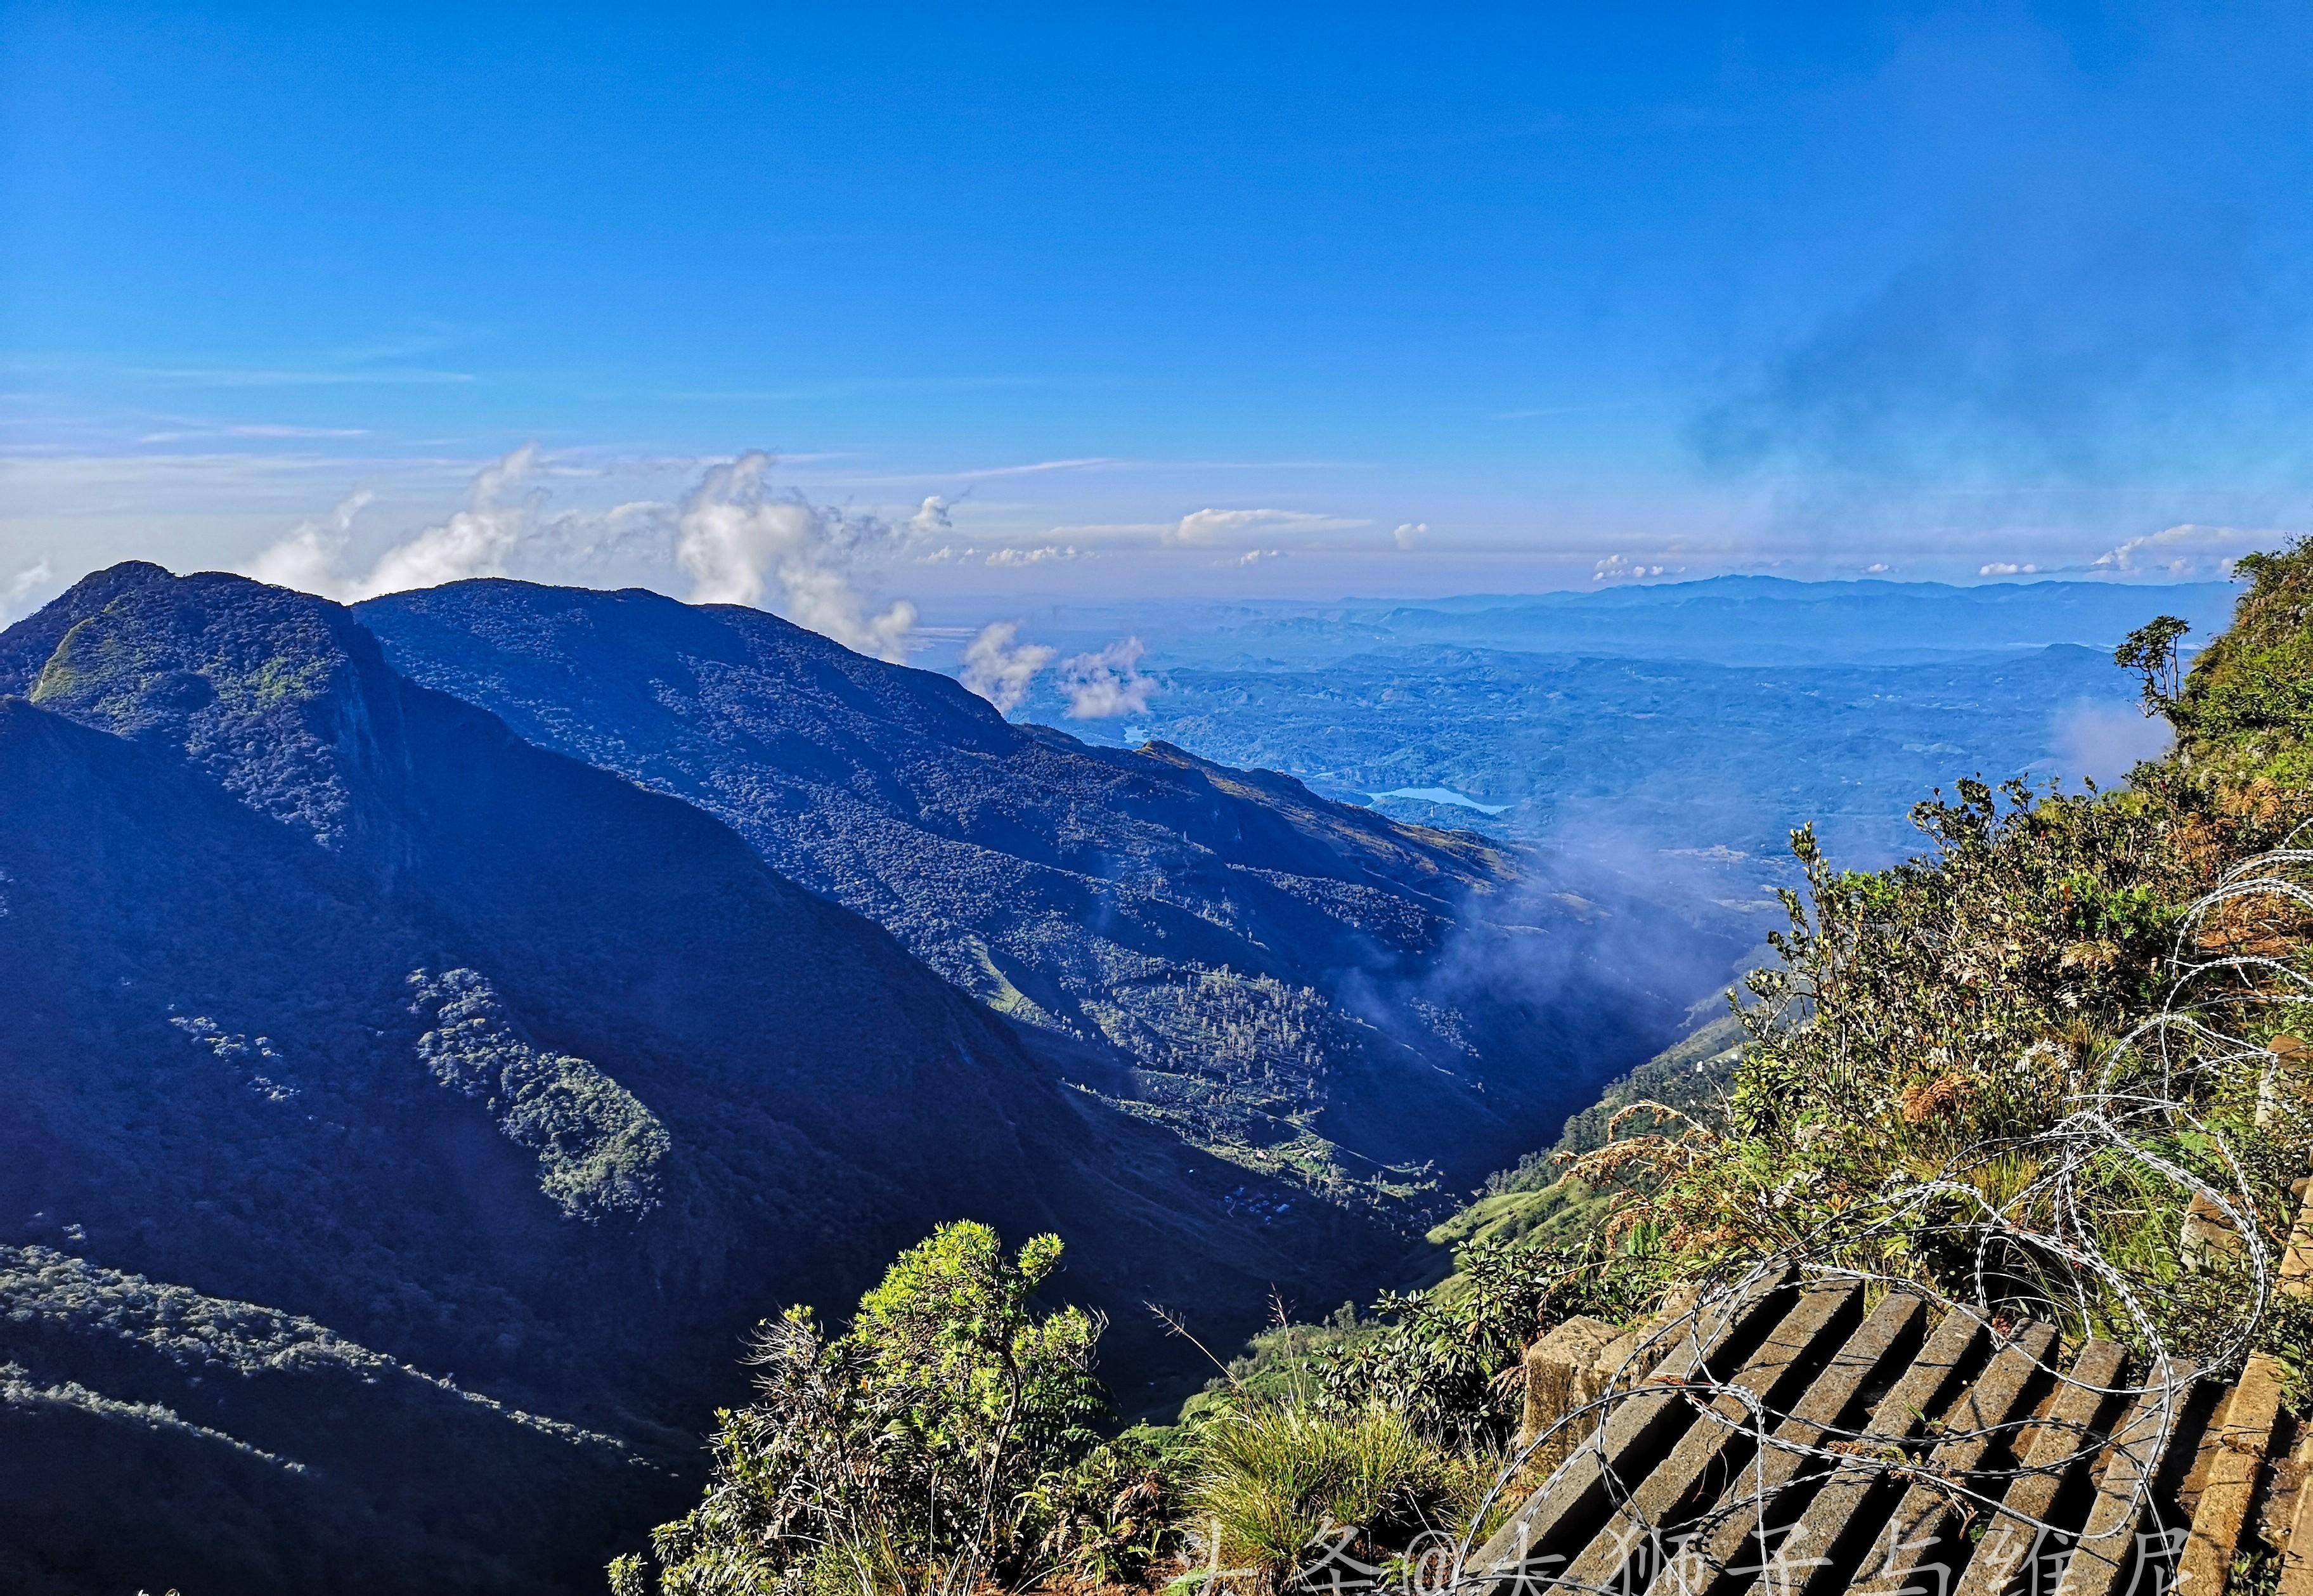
pixel 2150 651
pixel 904 1453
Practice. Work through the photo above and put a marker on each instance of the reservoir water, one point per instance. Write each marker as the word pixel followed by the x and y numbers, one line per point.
pixel 1441 795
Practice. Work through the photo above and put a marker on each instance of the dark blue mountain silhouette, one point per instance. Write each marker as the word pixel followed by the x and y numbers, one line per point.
pixel 330 994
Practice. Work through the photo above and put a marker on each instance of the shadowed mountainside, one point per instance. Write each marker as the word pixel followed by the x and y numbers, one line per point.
pixel 1307 988
pixel 334 1000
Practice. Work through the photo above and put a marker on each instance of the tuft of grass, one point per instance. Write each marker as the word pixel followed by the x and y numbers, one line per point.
pixel 1277 1480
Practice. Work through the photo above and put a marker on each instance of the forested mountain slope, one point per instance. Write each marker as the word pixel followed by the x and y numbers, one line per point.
pixel 1307 987
pixel 152 1437
pixel 333 1001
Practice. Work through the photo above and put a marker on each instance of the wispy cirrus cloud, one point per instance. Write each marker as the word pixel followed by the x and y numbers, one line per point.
pixel 268 431
pixel 284 376
pixel 67 482
pixel 1037 468
pixel 389 365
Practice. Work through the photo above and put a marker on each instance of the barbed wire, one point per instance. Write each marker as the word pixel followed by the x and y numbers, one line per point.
pixel 2143 1106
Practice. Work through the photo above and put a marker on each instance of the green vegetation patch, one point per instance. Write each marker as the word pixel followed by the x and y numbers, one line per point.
pixel 600 1151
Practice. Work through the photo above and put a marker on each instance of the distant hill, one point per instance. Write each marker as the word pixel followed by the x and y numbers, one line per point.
pixel 1764 620
pixel 1718 619
pixel 1630 757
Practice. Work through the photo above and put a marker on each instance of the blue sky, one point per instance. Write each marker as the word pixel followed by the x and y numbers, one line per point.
pixel 1258 301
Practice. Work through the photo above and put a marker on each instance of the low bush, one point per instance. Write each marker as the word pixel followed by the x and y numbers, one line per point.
pixel 940 1441
pixel 1277 1482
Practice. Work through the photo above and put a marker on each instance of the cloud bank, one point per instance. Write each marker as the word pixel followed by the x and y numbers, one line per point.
pixel 308 559
pixel 2103 742
pixel 475 542
pixel 478 541
pixel 736 541
pixel 20 587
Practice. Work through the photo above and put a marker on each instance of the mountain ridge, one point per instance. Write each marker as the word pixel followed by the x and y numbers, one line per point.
pixel 1185 927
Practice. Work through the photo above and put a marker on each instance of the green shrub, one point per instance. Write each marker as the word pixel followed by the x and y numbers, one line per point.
pixel 1912 1098
pixel 1445 1358
pixel 929 1447
pixel 1113 1512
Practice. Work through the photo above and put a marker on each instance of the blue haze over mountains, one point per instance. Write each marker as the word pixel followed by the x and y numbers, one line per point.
pixel 1660 719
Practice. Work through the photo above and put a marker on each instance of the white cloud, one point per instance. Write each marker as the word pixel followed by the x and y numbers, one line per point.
pixel 734 540
pixel 998 667
pixel 931 517
pixel 2189 550
pixel 1036 468
pixel 1104 686
pixel 309 557
pixel 216 376
pixel 737 542
pixel 475 541
pixel 19 587
pixel 1255 556
pixel 2104 741
pixel 1877 567
pixel 1203 527
pixel 1409 532
pixel 946 554
pixel 2006 568
pixel 1037 556
pixel 1614 567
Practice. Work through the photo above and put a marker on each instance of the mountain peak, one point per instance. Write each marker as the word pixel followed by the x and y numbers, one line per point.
pixel 279 696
